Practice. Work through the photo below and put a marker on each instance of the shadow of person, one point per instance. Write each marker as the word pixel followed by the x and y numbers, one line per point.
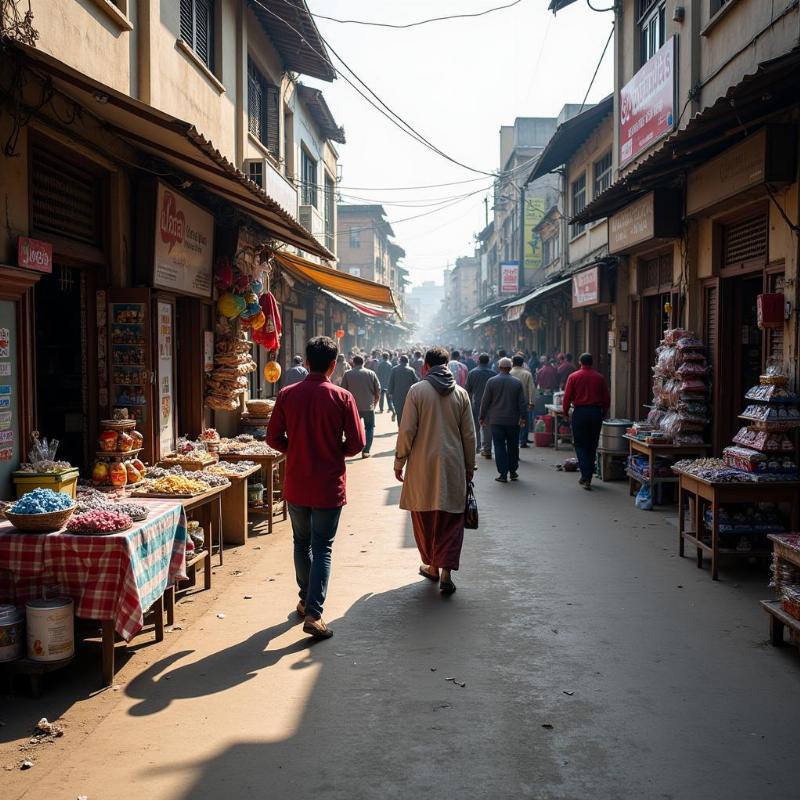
pixel 385 717
pixel 159 685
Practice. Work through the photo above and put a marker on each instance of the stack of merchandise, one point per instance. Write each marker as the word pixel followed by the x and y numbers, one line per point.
pixel 117 461
pixel 232 363
pixel 745 526
pixel 786 574
pixel 638 468
pixel 680 389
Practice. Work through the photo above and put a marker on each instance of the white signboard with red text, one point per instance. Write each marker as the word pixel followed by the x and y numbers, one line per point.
pixel 184 245
pixel 586 288
pixel 647 104
pixel 509 277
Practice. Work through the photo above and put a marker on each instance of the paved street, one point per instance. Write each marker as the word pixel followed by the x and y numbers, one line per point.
pixel 597 664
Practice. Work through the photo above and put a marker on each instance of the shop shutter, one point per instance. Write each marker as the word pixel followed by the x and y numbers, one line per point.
pixel 273 142
pixel 711 321
pixel 665 271
pixel 745 241
pixel 65 199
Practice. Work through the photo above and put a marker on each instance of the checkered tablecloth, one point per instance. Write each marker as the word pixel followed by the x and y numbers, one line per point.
pixel 115 577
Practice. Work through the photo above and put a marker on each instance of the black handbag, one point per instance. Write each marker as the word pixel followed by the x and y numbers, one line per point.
pixel 471 509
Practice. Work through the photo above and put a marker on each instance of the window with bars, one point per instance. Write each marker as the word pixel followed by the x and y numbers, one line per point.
pixel 308 168
pixel 601 173
pixel 197 28
pixel 652 18
pixel 578 202
pixel 263 109
pixel 745 241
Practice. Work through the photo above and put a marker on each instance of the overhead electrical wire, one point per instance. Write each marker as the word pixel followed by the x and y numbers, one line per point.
pixel 597 68
pixel 419 22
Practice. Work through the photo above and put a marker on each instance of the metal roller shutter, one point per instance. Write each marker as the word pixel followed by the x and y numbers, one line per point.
pixel 745 241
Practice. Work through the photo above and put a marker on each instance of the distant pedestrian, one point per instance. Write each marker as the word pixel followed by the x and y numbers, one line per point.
pixel 316 424
pixel 587 392
pixel 469 362
pixel 504 408
pixel 339 370
pixel 372 361
pixel 384 372
pixel 418 363
pixel 565 369
pixel 364 385
pixel 400 381
pixel 458 370
pixel 296 373
pixel 436 448
pixel 475 386
pixel 524 376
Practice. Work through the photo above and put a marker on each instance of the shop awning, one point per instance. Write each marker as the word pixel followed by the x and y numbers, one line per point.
pixel 362 308
pixel 484 320
pixel 176 142
pixel 356 290
pixel 538 292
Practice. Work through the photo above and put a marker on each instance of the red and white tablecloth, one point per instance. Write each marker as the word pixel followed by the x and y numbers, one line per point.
pixel 116 577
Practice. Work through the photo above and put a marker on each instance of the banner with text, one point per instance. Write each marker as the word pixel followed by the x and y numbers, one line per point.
pixel 509 277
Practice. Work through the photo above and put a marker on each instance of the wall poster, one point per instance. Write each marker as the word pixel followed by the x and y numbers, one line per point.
pixel 166 393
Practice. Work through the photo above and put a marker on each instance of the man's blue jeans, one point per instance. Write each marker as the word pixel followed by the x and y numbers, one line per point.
pixel 314 530
pixel 506 448
pixel 389 403
pixel 369 428
pixel 587 423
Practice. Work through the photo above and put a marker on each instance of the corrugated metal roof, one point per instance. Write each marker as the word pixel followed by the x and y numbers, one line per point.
pixel 290 26
pixel 321 113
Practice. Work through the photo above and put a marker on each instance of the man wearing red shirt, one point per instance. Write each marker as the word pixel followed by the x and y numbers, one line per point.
pixel 316 424
pixel 587 392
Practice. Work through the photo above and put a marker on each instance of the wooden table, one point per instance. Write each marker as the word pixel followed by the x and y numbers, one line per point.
pixel 270 464
pixel 558 413
pixel 652 451
pixel 235 509
pixel 786 547
pixel 698 492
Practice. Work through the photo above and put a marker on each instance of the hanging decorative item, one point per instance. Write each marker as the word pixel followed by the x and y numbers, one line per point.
pixel 531 323
pixel 272 371
pixel 223 274
pixel 254 321
pixel 231 305
pixel 272 326
pixel 339 334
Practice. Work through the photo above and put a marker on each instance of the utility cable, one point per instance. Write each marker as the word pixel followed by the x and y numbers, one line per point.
pixel 597 68
pixel 418 23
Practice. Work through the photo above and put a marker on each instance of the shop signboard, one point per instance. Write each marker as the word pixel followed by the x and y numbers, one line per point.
pixel 657 215
pixel 534 212
pixel 586 288
pixel 509 277
pixel 647 104
pixel 34 254
pixel 166 395
pixel 184 245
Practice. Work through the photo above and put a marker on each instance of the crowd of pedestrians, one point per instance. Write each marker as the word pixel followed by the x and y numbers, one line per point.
pixel 450 406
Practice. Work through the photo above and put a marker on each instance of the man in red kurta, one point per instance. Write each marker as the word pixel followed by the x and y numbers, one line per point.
pixel 316 424
pixel 587 391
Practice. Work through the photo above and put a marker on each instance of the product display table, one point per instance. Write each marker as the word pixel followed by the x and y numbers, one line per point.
pixel 786 547
pixel 234 508
pixel 274 469
pixel 698 492
pixel 114 579
pixel 558 414
pixel 652 451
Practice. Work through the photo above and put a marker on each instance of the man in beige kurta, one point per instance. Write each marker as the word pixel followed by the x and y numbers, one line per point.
pixel 436 448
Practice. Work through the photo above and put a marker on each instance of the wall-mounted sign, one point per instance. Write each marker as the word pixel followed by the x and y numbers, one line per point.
pixel 768 156
pixel 184 245
pixel 208 351
pixel 534 211
pixel 586 288
pixel 166 395
pixel 647 104
pixel 657 215
pixel 34 254
pixel 509 277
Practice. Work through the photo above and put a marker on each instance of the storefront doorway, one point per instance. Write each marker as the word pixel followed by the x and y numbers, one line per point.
pixel 63 391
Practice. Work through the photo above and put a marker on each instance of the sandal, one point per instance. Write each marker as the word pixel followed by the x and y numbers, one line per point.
pixel 428 575
pixel 447 587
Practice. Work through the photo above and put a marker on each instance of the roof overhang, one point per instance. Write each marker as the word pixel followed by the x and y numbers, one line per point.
pixel 569 136
pixel 361 293
pixel 754 101
pixel 557 5
pixel 177 143
pixel 321 113
pixel 515 308
pixel 292 30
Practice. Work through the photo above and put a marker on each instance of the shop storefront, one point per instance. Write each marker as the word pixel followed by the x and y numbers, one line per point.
pixel 744 245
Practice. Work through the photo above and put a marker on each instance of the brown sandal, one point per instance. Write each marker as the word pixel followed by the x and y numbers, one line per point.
pixel 428 575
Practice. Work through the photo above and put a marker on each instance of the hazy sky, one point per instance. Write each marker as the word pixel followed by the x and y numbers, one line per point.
pixel 456 82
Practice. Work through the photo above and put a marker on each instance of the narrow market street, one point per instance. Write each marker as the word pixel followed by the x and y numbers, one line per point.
pixel 596 663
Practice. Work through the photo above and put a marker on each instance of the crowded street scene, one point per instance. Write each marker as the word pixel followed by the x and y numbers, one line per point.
pixel 399 398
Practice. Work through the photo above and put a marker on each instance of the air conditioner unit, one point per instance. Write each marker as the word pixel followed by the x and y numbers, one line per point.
pixel 312 221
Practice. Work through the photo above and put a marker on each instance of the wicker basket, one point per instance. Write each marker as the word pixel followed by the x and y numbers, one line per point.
pixel 118 424
pixel 259 408
pixel 40 523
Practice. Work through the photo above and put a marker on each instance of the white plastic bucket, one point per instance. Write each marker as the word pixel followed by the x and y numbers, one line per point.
pixel 51 629
pixel 12 629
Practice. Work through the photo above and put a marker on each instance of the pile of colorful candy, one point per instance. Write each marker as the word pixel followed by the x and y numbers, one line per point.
pixel 230 468
pixel 175 484
pixel 42 501
pixel 98 521
pixel 136 511
pixel 210 479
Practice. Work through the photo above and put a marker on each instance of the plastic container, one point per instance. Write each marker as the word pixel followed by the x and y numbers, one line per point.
pixel 12 629
pixel 543 439
pixel 66 481
pixel 51 629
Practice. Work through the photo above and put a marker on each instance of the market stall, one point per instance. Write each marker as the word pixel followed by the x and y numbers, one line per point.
pixel 784 611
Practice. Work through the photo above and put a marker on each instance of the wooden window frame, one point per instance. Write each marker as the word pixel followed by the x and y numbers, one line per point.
pixel 192 43
pixel 575 206
pixel 310 192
